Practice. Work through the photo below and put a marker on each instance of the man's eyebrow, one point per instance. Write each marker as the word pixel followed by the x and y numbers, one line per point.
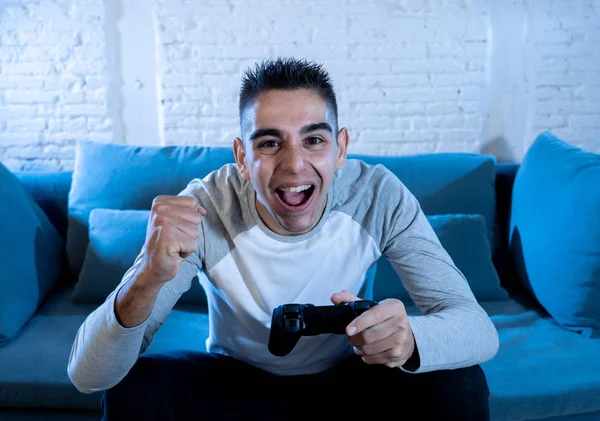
pixel 265 132
pixel 304 130
pixel 316 127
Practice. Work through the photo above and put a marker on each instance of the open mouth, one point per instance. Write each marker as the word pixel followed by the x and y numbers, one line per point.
pixel 295 197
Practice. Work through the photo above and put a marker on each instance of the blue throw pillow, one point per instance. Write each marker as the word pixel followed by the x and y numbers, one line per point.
pixel 555 231
pixel 464 237
pixel 31 255
pixel 115 176
pixel 116 238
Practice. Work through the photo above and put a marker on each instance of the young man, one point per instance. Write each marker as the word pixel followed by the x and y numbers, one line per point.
pixel 292 221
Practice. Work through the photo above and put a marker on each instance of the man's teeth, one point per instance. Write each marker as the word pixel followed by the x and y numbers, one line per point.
pixel 296 189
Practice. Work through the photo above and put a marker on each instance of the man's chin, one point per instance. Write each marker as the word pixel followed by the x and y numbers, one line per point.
pixel 295 221
pixel 295 226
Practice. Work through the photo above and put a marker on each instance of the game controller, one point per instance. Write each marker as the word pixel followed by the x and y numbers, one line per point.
pixel 291 321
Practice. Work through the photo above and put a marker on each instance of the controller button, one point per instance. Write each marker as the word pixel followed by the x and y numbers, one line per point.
pixel 292 325
pixel 362 305
pixel 291 309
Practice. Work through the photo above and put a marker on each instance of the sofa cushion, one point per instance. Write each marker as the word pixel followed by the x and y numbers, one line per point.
pixel 50 190
pixel 33 367
pixel 116 237
pixel 555 231
pixel 541 370
pixel 31 255
pixel 116 176
pixel 464 237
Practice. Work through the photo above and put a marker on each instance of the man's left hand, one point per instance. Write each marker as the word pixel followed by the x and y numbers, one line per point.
pixel 382 334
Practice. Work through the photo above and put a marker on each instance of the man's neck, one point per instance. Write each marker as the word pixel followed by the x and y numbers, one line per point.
pixel 272 223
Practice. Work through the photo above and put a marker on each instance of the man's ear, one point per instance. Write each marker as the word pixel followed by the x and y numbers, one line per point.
pixel 343 138
pixel 240 157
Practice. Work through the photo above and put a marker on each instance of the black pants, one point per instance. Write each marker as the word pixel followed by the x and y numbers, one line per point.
pixel 187 385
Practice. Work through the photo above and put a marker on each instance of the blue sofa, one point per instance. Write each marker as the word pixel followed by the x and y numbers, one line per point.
pixel 546 368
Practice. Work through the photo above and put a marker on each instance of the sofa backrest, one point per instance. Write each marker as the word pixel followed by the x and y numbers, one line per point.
pixel 51 191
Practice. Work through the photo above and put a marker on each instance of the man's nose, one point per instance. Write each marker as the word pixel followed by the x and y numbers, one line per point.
pixel 293 159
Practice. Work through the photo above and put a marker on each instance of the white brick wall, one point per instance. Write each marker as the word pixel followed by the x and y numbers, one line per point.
pixel 53 81
pixel 565 51
pixel 411 76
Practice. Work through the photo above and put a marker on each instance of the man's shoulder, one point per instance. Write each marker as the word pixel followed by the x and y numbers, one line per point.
pixel 223 176
pixel 370 194
pixel 357 173
pixel 224 181
pixel 363 185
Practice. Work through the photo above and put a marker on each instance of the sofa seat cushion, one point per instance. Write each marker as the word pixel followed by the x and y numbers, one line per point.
pixel 541 370
pixel 33 367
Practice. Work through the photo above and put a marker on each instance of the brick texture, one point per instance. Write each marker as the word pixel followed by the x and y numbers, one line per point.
pixel 53 81
pixel 412 76
pixel 566 72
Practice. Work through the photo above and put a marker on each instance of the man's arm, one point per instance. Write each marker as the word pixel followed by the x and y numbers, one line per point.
pixel 112 337
pixel 453 330
pixel 136 299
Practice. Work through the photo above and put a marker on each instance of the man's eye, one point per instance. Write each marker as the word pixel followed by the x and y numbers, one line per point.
pixel 268 144
pixel 314 140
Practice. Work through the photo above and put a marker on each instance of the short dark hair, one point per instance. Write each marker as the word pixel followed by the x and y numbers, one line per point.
pixel 286 74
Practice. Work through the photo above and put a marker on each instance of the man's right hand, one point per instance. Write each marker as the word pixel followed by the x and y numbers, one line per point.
pixel 171 234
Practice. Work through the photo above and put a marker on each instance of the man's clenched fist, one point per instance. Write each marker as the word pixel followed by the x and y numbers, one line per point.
pixel 173 228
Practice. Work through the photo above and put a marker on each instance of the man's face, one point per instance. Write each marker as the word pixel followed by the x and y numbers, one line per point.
pixel 290 154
